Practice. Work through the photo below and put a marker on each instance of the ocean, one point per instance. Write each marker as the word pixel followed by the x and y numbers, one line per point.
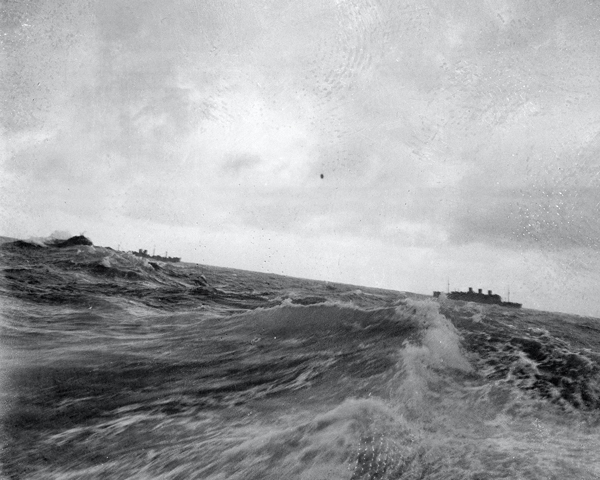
pixel 113 367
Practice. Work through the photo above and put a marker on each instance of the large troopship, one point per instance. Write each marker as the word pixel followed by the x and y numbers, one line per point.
pixel 479 297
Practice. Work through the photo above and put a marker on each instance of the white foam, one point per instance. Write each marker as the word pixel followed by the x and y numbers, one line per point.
pixel 440 343
pixel 326 446
pixel 105 262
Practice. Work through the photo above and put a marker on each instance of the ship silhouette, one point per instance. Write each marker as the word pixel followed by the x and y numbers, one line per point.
pixel 166 258
pixel 479 297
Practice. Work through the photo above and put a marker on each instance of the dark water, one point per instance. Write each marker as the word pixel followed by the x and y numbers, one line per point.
pixel 114 369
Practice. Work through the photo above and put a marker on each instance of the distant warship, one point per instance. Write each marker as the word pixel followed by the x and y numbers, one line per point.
pixel 166 258
pixel 479 297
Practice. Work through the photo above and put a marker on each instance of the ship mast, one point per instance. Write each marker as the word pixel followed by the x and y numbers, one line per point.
pixel 448 286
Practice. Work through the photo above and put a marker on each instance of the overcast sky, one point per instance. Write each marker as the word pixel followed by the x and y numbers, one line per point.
pixel 379 143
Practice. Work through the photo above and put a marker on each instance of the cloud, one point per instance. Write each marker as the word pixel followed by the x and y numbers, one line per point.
pixel 547 219
pixel 236 164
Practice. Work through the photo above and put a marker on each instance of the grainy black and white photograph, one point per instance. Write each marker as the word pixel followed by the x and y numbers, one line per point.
pixel 299 239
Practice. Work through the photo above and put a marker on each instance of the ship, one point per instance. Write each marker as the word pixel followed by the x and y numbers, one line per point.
pixel 166 258
pixel 479 297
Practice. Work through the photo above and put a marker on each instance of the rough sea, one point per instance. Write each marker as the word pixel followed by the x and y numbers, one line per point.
pixel 114 368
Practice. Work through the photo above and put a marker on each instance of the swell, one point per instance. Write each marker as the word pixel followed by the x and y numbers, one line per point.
pixel 87 365
pixel 94 276
pixel 307 391
pixel 328 318
pixel 260 376
pixel 212 362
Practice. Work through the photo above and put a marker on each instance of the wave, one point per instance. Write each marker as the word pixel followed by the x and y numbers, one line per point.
pixel 305 384
pixel 119 369
pixel 550 357
pixel 292 318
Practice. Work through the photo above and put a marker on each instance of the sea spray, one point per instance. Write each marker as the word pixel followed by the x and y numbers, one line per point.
pixel 440 341
pixel 361 438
